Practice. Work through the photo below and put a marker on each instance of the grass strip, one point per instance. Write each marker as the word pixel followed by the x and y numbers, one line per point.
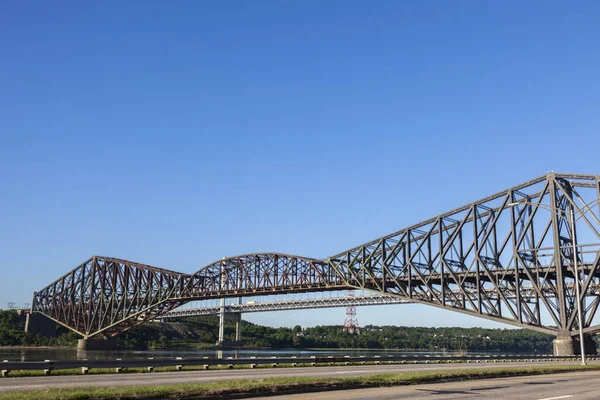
pixel 279 386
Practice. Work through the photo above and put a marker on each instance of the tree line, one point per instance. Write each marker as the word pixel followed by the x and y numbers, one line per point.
pixel 12 333
pixel 202 332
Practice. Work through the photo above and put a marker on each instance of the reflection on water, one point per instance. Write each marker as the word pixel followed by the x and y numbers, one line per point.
pixel 37 354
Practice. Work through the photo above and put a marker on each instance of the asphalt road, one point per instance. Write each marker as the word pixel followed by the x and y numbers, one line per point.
pixel 571 386
pixel 158 378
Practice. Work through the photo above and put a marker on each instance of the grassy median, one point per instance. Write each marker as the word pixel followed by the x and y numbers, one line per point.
pixel 278 386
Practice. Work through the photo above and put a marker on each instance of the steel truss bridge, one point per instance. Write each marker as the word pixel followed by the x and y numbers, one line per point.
pixel 296 304
pixel 511 257
pixel 307 304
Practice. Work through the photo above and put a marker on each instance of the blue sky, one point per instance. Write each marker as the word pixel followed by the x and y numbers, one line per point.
pixel 175 135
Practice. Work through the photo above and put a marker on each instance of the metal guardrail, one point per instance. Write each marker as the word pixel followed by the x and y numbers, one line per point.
pixel 150 363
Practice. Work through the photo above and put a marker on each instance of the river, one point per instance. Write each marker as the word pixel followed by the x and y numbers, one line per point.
pixel 40 354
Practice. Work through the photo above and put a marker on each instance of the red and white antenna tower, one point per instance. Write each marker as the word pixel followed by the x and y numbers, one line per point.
pixel 351 322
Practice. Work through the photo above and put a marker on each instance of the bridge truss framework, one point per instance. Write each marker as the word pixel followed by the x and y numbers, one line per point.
pixel 308 304
pixel 287 305
pixel 478 259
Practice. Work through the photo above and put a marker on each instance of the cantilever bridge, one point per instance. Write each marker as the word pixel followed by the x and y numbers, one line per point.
pixel 511 257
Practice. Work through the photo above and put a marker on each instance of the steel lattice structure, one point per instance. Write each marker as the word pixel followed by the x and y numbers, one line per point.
pixel 351 321
pixel 108 295
pixel 296 304
pixel 105 293
pixel 331 302
pixel 481 259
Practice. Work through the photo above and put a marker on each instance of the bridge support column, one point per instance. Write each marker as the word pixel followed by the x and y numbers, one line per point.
pixel 563 346
pixel 238 328
pixel 97 344
pixel 238 324
pixel 222 322
pixel 237 319
pixel 566 345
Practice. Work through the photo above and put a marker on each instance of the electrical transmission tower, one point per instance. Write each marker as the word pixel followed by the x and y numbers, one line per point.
pixel 351 322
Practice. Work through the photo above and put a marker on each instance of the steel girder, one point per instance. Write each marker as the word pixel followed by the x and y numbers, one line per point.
pixel 480 259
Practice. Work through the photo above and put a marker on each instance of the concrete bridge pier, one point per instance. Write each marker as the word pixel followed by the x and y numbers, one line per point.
pixel 567 345
pixel 97 344
pixel 237 319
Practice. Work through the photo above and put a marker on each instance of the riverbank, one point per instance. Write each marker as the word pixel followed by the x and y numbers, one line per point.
pixel 282 385
pixel 202 333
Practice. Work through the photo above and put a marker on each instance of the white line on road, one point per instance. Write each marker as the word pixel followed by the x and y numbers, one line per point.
pixel 559 397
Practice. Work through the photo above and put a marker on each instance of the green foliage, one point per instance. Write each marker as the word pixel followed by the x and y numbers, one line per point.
pixel 12 329
pixel 12 333
pixel 202 332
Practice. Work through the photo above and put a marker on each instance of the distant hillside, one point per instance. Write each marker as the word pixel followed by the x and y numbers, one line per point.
pixel 202 332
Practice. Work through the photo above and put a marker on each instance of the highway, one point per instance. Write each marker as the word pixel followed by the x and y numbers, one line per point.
pixel 202 376
pixel 571 386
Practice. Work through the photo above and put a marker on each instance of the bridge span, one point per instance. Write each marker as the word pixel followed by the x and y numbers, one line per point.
pixel 295 304
pixel 306 304
pixel 543 234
